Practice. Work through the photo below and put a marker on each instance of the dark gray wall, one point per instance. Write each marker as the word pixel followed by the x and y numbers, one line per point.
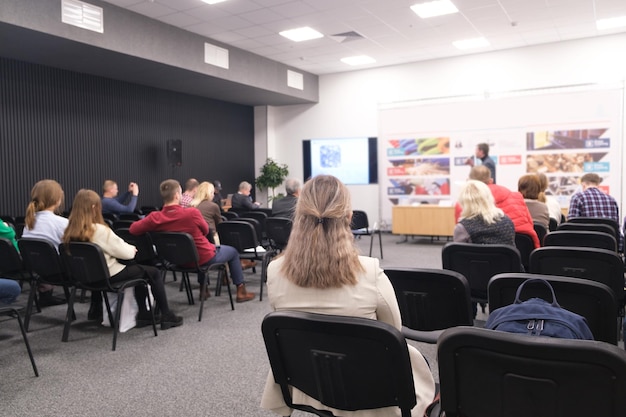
pixel 81 129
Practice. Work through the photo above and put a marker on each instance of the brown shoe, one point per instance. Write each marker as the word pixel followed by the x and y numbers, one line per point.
pixel 243 295
pixel 247 264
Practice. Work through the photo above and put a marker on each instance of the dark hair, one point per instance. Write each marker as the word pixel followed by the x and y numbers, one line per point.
pixel 484 148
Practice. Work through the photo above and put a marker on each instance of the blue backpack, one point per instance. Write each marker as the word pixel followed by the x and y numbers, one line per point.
pixel 537 317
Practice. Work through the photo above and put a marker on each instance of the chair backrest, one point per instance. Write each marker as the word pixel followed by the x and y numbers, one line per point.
pixel 143 243
pixel 523 376
pixel 598 220
pixel 129 216
pixel 582 238
pixel 10 259
pixel 260 217
pixel 541 231
pixel 85 262
pixel 592 300
pixel 239 234
pixel 230 215
pixel 175 247
pixel 121 224
pixel 431 299
pixel 552 224
pixel 110 216
pixel 359 220
pixel 148 209
pixel 576 225
pixel 278 230
pixel 598 265
pixel 41 257
pixel 525 245
pixel 347 363
pixel 478 263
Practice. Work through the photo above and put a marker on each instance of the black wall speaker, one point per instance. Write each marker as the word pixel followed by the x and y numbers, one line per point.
pixel 175 152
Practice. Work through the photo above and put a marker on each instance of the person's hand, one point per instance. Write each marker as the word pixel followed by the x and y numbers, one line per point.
pixel 133 188
pixel 256 203
pixel 469 161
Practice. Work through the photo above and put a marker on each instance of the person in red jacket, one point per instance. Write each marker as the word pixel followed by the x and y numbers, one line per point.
pixel 511 202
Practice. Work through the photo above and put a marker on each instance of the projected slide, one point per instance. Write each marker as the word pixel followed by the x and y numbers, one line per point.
pixel 346 159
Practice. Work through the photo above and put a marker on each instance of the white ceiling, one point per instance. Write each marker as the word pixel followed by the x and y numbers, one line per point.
pixel 391 32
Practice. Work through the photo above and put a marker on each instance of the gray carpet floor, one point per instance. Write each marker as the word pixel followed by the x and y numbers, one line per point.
pixel 216 367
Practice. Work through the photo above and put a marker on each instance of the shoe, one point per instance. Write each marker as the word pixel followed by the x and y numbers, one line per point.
pixel 145 319
pixel 247 264
pixel 46 299
pixel 206 294
pixel 243 295
pixel 170 320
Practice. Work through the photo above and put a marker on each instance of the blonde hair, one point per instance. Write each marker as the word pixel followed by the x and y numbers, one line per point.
pixel 86 211
pixel 321 252
pixel 205 191
pixel 44 195
pixel 543 181
pixel 477 201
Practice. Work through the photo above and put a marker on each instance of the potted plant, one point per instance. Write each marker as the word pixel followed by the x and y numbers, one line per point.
pixel 272 175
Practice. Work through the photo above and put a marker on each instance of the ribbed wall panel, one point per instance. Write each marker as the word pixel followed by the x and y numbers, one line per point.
pixel 80 130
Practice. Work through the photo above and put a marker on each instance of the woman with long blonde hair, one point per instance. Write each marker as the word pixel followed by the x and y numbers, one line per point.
pixel 203 201
pixel 86 224
pixel 321 271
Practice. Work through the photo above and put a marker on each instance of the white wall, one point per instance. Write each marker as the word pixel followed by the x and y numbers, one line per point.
pixel 349 102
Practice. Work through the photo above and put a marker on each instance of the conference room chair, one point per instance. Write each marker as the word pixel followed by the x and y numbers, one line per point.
pixel 146 253
pixel 430 301
pixel 478 263
pixel 121 224
pixel 488 373
pixel 346 363
pixel 12 267
pixel 178 253
pixel 145 210
pixel 595 224
pixel 581 238
pixel 261 217
pixel 278 230
pixel 86 264
pixel 44 265
pixel 541 231
pixel 14 312
pixel 129 216
pixel 110 217
pixel 230 215
pixel 592 300
pixel 242 235
pixel 361 227
pixel 552 225
pixel 598 220
pixel 525 245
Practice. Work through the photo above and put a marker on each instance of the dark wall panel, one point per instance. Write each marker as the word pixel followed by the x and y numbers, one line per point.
pixel 81 129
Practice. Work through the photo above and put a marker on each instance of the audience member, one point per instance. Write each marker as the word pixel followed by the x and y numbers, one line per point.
pixel 42 222
pixel 191 187
pixel 510 202
pixel 481 221
pixel 285 207
pixel 86 224
pixel 174 218
pixel 218 198
pixel 242 200
pixel 321 272
pixel 482 153
pixel 8 232
pixel 554 207
pixel 125 203
pixel 203 201
pixel 9 291
pixel 529 187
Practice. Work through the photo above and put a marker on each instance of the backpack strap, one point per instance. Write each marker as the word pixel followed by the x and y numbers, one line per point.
pixel 546 283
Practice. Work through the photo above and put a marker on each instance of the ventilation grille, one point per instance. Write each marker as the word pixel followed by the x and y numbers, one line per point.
pixel 347 37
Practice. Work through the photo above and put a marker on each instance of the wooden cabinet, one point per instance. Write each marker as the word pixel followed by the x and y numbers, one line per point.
pixel 424 220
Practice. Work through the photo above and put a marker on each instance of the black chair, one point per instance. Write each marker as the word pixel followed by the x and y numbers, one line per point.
pixel 597 224
pixel 121 224
pixel 552 224
pixel 12 267
pixel 488 373
pixel 590 227
pixel 88 268
pixel 148 209
pixel 431 300
pixel 44 264
pixel 14 311
pixel 599 220
pixel 230 215
pixel 598 265
pixel 146 254
pixel 258 228
pixel 110 216
pixel 360 227
pixel 583 238
pixel 129 216
pixel 346 363
pixel 478 263
pixel 592 300
pixel 177 250
pixel 278 230
pixel 525 245
pixel 541 231
pixel 241 235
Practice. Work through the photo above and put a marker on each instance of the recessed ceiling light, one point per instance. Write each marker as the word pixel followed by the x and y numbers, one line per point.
pixel 213 1
pixel 471 43
pixel 434 8
pixel 301 34
pixel 358 60
pixel 611 23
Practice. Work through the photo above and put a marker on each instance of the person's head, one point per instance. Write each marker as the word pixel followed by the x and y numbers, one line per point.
pixel 292 187
pixel 543 186
pixel 45 195
pixel 590 179
pixel 218 186
pixel 205 191
pixel 170 191
pixel 477 201
pixel 86 211
pixel 529 186
pixel 482 150
pixel 245 187
pixel 321 251
pixel 109 189
pixel 191 186
pixel 481 173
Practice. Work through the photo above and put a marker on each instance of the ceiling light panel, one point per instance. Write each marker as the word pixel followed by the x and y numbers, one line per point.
pixel 358 60
pixel 301 34
pixel 611 23
pixel 434 8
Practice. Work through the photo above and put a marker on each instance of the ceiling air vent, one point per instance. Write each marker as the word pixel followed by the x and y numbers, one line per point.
pixel 346 37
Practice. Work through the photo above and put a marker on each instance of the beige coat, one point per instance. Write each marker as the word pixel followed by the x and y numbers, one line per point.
pixel 373 298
